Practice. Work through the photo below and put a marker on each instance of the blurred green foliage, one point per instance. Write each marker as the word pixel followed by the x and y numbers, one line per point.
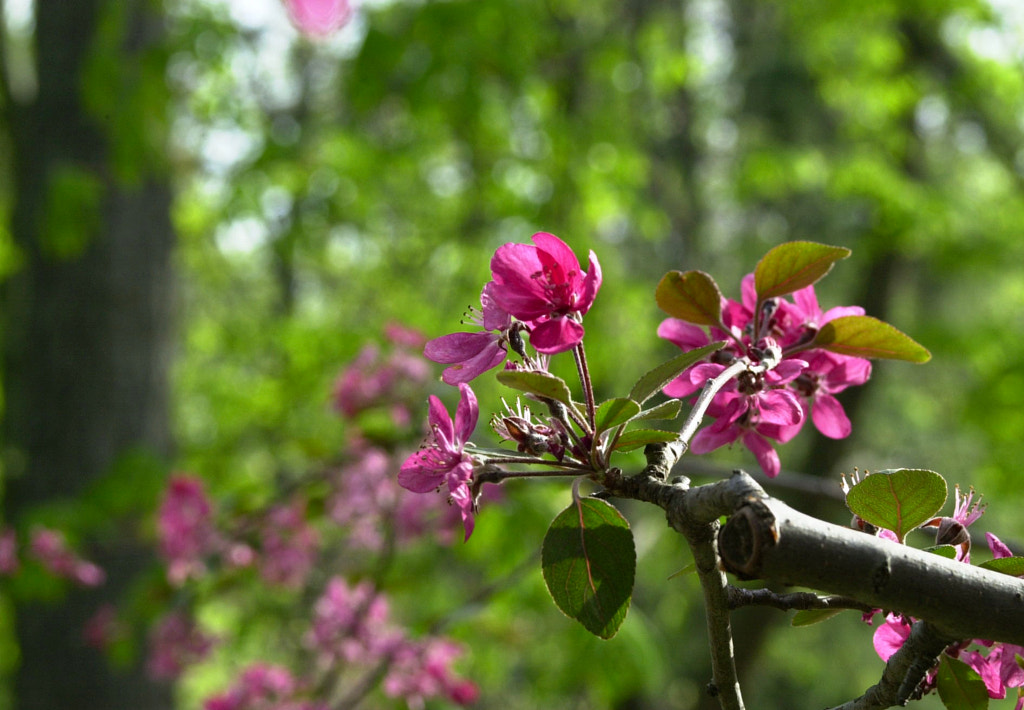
pixel 328 188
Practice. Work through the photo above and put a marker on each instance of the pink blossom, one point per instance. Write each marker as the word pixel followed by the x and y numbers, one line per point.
pixel 50 548
pixel 319 18
pixel 423 669
pixel 262 686
pixel 185 529
pixel 350 624
pixel 889 637
pixel 176 642
pixel 999 669
pixel 826 375
pixel 443 460
pixel 9 563
pixel 472 354
pixel 373 380
pixel 290 545
pixel 998 548
pixel 103 628
pixel 545 287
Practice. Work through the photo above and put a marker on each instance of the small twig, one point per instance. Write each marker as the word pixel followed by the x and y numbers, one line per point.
pixel 580 356
pixel 711 388
pixel 794 600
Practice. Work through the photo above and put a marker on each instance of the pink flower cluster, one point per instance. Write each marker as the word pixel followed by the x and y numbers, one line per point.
pixel 543 287
pixel 392 381
pixel 996 663
pixel 176 642
pixel 185 529
pixel 51 549
pixel 351 624
pixel 762 408
pixel 290 545
pixel 263 686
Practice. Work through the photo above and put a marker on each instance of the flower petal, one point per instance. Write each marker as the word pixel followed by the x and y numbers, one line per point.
pixel 466 415
pixel 764 452
pixel 418 475
pixel 556 336
pixel 591 285
pixel 686 335
pixel 441 425
pixel 829 417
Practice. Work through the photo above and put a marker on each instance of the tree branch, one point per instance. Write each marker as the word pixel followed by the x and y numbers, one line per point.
pixel 787 602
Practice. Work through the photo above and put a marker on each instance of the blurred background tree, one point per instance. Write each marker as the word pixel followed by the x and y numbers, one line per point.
pixel 324 188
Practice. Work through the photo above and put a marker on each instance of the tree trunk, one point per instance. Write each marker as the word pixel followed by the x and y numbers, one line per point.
pixel 86 335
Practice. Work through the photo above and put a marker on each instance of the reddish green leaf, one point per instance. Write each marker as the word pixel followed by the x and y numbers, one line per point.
pixel 652 382
pixel 960 687
pixel 589 562
pixel 692 296
pixel 641 437
pixel 792 266
pixel 899 499
pixel 864 336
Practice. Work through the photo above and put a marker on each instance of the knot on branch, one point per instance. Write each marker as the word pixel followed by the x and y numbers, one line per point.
pixel 744 538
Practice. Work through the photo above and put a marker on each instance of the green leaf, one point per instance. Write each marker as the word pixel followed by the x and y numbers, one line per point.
pixel 665 410
pixel 589 562
pixel 792 266
pixel 808 617
pixel 641 437
pixel 1013 566
pixel 960 687
pixel 614 412
pixel 652 382
pixel 948 551
pixel 864 336
pixel 541 384
pixel 692 296
pixel 899 499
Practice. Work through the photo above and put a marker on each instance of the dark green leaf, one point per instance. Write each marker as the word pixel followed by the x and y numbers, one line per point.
pixel 665 410
pixel 1013 566
pixel 541 384
pixel 589 563
pixel 807 617
pixel 948 551
pixel 692 296
pixel 864 336
pixel 898 500
pixel 960 687
pixel 652 382
pixel 641 437
pixel 614 412
pixel 792 266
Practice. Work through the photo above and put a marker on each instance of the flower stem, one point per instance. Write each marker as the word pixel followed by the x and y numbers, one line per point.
pixel 711 388
pixel 588 388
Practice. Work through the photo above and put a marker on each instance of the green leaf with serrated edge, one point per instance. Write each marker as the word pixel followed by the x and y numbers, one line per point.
pixel 589 563
pixel 864 336
pixel 1013 566
pixel 541 384
pixel 641 437
pixel 652 382
pixel 948 551
pixel 665 410
pixel 792 266
pixel 614 412
pixel 898 499
pixel 808 617
pixel 692 296
pixel 960 687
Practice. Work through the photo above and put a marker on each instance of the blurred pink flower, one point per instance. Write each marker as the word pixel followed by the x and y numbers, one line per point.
pixel 423 669
pixel 50 548
pixel 9 563
pixel 175 642
pixel 290 545
pixel 262 686
pixel 319 18
pixel 350 623
pixel 185 531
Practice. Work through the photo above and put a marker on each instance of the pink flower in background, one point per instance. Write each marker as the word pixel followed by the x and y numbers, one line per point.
pixel 9 563
pixel 50 548
pixel 443 460
pixel 545 287
pixel 423 670
pixel 175 643
pixel 472 354
pixel 372 380
pixel 350 623
pixel 319 18
pixel 290 545
pixel 263 687
pixel 185 529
